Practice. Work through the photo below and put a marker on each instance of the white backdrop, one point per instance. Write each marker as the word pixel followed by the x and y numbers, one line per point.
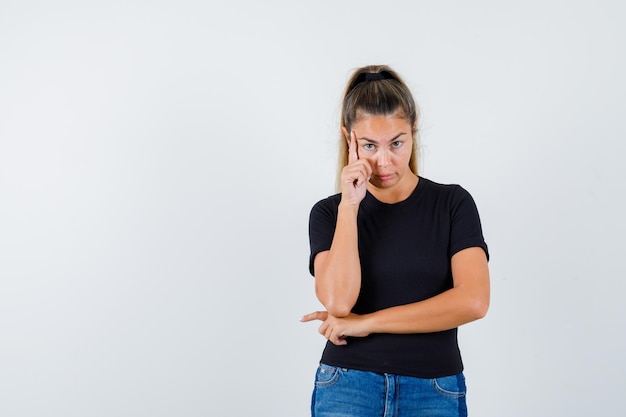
pixel 158 161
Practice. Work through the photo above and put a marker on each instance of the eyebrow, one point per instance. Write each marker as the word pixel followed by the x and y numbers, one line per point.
pixel 376 142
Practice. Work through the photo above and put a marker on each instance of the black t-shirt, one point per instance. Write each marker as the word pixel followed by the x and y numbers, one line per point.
pixel 405 251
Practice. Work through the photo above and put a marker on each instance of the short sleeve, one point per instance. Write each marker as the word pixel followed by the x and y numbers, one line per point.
pixel 322 223
pixel 465 228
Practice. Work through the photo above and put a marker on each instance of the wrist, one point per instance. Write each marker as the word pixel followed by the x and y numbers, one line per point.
pixel 348 208
pixel 368 324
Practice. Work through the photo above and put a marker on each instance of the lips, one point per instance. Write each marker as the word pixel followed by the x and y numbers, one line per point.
pixel 385 177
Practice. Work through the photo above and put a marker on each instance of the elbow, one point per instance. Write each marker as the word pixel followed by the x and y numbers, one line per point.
pixel 339 309
pixel 476 303
pixel 336 308
pixel 479 308
pixel 335 305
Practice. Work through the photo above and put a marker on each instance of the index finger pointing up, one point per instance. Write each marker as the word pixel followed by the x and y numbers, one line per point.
pixel 353 154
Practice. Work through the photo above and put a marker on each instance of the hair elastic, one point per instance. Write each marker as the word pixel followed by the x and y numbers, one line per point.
pixel 371 76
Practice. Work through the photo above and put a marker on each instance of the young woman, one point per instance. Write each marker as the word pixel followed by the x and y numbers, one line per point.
pixel 399 263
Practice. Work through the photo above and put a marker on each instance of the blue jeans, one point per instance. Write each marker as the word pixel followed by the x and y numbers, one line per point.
pixel 341 392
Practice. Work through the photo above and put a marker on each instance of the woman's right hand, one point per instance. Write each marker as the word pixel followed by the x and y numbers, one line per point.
pixel 354 176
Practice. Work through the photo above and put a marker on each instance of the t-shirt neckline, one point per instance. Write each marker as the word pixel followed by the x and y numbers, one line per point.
pixel 371 200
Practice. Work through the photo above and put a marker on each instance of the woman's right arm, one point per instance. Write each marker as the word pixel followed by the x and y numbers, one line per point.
pixel 338 270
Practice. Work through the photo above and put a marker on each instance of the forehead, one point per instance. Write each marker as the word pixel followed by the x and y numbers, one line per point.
pixel 382 124
pixel 398 114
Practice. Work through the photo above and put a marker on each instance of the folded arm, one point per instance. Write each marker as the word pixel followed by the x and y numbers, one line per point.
pixel 467 301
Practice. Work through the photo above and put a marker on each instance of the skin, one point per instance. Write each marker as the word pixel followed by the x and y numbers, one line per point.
pixel 378 161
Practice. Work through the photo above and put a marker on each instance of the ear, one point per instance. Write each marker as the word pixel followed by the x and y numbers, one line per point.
pixel 346 134
pixel 415 126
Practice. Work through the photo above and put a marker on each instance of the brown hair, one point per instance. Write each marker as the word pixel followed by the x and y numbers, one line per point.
pixel 376 90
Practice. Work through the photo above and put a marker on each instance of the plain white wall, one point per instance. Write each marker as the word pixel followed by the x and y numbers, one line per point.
pixel 158 161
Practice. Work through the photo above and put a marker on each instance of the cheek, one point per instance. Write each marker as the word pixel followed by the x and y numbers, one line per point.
pixel 403 157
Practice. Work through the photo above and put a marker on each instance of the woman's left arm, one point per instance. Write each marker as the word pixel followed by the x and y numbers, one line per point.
pixel 467 301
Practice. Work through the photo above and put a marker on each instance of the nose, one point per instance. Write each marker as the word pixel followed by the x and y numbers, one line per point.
pixel 383 158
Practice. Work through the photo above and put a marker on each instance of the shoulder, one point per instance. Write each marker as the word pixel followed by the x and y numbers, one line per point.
pixel 452 198
pixel 449 192
pixel 326 208
pixel 330 203
pixel 464 220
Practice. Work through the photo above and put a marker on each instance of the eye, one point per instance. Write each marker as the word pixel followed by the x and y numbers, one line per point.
pixel 368 147
pixel 396 144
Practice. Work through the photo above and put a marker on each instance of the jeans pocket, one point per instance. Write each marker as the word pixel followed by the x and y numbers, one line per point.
pixel 450 386
pixel 326 375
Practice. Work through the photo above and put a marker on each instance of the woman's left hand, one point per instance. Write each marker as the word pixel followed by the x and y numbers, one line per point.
pixel 337 329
